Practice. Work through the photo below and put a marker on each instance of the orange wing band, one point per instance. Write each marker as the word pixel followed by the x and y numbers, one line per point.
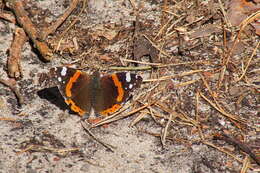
pixel 70 83
pixel 119 88
pixel 70 102
pixel 74 107
pixel 111 110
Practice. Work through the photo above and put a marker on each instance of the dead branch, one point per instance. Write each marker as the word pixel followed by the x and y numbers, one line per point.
pixel 108 146
pixel 12 86
pixel 13 63
pixel 240 145
pixel 22 18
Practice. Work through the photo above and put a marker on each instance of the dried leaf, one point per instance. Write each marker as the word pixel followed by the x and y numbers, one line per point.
pixel 143 47
pixel 239 10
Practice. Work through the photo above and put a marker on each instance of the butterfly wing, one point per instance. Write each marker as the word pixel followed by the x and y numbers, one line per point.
pixel 114 90
pixel 74 86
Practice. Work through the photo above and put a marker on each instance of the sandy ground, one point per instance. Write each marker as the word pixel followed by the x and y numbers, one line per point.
pixel 49 124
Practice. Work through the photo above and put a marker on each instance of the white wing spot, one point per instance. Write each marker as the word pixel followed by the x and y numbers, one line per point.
pixel 63 71
pixel 130 86
pixel 128 77
pixel 59 79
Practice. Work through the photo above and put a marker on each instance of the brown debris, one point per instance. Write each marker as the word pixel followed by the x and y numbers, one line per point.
pixel 143 47
pixel 52 28
pixel 240 145
pixel 22 18
pixel 240 9
pixel 101 31
pixel 238 48
pixel 256 25
pixel 205 31
pixel 46 142
pixel 7 16
pixel 13 64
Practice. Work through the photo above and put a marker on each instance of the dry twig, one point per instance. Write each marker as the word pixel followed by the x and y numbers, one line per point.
pixel 22 18
pixel 13 64
pixel 243 24
pixel 174 76
pixel 238 144
pixel 40 148
pixel 249 61
pixel 231 117
pixel 11 85
pixel 115 118
pixel 165 130
pixel 108 146
pixel 245 165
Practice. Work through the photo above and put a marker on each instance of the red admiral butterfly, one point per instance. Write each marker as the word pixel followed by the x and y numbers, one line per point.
pixel 102 94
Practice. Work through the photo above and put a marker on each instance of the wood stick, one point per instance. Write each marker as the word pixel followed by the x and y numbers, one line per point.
pixel 22 18
pixel 240 145
pixel 12 86
pixel 13 63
